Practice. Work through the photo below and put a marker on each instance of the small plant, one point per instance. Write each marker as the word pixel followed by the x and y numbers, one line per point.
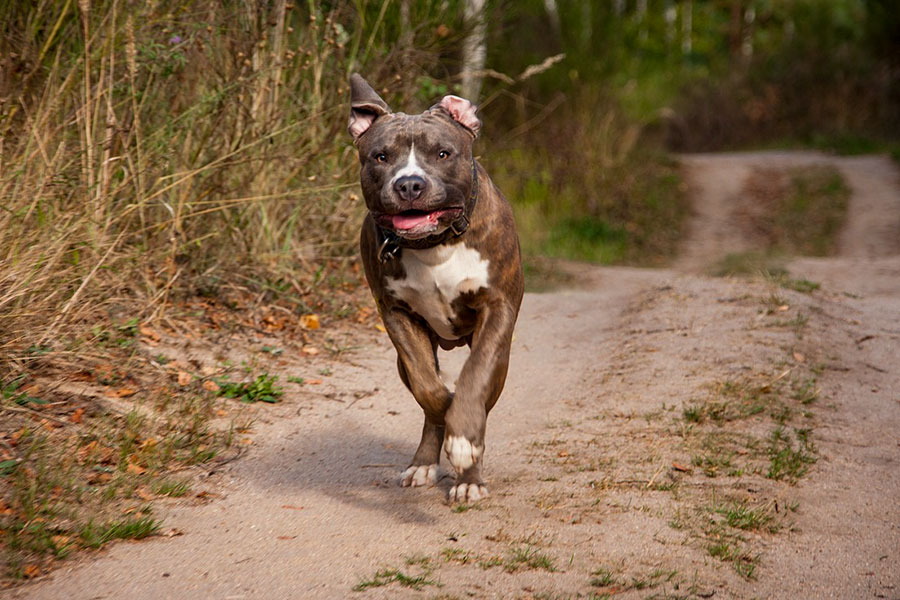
pixel 388 576
pixel 741 516
pixel 261 389
pixel 134 529
pixel 527 556
pixel 602 578
pixel 172 488
pixel 787 461
pixel 806 391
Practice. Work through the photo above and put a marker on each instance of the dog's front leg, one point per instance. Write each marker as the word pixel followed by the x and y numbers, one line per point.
pixel 477 390
pixel 417 363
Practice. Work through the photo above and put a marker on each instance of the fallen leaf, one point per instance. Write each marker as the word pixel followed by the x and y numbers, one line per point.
pixel 799 357
pixel 314 382
pixel 286 537
pixel 309 321
pixel 123 392
pixel 184 378
pixel 61 541
pixel 173 533
pixel 76 416
pixel 309 350
pixel 380 328
pixel 144 494
pixel 247 441
pixel 291 507
pixel 562 453
pixel 784 307
pixel 32 571
pixel 149 333
pixel 210 386
pixel 208 370
pixel 97 478
pixel 680 467
pixel 136 469
pixel 221 413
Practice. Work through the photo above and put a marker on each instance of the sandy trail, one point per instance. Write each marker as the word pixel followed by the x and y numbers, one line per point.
pixel 580 446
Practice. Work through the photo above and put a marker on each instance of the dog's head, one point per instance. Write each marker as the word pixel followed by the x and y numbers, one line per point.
pixel 416 170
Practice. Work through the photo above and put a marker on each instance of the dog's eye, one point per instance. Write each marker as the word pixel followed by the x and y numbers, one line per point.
pixel 381 157
pixel 443 154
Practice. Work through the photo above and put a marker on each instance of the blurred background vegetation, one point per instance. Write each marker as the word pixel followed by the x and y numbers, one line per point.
pixel 155 150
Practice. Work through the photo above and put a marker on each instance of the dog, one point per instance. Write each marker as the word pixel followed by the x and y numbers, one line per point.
pixel 442 259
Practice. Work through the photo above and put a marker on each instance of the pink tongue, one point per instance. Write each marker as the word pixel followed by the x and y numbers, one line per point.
pixel 411 221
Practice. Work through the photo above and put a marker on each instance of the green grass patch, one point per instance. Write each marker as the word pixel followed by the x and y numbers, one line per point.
pixel 135 528
pixel 385 577
pixel 740 515
pixel 789 459
pixel 261 389
pixel 586 239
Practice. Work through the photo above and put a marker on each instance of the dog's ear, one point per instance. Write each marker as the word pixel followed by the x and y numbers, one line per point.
pixel 463 112
pixel 365 106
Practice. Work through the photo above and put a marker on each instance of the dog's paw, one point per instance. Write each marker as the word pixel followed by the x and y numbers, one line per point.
pixel 468 492
pixel 461 453
pixel 419 475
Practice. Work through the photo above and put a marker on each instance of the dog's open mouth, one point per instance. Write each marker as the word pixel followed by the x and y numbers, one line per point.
pixel 415 224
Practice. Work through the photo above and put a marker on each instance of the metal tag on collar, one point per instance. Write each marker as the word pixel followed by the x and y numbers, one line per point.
pixel 388 250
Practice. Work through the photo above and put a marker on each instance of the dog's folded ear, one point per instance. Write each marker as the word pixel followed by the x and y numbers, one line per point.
pixel 365 106
pixel 462 111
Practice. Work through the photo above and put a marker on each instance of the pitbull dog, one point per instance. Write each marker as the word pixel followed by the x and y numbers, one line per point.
pixel 442 259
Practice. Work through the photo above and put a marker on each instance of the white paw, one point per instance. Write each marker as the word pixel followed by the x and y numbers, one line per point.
pixel 461 453
pixel 420 475
pixel 468 492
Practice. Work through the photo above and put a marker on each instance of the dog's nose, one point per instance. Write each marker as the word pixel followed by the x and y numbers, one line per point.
pixel 410 187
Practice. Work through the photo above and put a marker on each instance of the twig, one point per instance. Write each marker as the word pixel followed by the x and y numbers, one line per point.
pixel 25 409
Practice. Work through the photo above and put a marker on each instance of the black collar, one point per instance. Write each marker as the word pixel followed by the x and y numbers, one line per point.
pixel 390 244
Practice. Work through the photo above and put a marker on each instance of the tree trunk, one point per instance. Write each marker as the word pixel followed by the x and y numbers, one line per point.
pixel 474 50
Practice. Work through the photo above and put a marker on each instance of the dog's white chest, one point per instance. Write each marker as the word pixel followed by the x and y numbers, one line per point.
pixel 435 277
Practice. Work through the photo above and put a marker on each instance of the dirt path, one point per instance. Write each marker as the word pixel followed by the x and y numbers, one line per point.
pixel 640 413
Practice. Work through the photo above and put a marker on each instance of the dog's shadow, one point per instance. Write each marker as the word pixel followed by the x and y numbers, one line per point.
pixel 350 465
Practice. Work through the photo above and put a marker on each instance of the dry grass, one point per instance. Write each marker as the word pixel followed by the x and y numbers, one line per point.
pixel 150 149
pixel 152 152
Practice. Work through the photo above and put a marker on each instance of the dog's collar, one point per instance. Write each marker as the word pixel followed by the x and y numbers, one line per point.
pixel 390 244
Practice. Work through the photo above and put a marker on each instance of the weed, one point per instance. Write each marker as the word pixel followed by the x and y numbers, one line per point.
pixel 172 488
pixel 787 461
pixel 135 528
pixel 261 389
pixel 805 391
pixel 742 516
pixel 295 379
pixel 527 556
pixel 457 555
pixel 743 562
pixel 388 576
pixel 602 577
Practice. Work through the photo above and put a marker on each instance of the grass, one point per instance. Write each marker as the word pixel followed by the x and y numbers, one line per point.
pixel 71 466
pixel 527 557
pixel 94 536
pixel 740 515
pixel 743 562
pixel 385 577
pixel 790 459
pixel 261 389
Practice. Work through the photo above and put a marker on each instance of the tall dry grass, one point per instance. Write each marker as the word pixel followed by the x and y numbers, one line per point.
pixel 151 148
